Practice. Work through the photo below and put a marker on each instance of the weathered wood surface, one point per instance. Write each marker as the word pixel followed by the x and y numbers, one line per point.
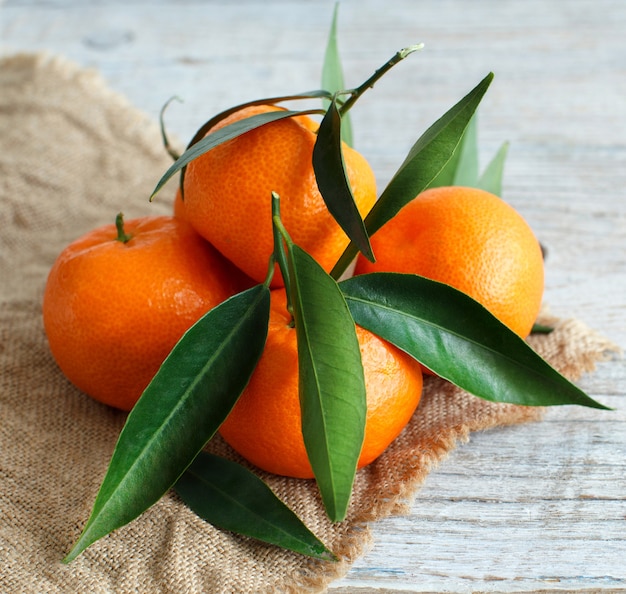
pixel 538 507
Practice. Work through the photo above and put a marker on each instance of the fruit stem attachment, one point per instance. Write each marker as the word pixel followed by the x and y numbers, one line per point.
pixel 122 236
pixel 369 83
pixel 281 237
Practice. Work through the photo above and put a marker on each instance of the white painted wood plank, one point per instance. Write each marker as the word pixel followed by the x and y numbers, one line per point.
pixel 537 507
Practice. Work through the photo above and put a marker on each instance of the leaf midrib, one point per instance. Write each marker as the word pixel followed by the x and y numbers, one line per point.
pixel 175 411
pixel 449 332
pixel 327 448
pixel 238 504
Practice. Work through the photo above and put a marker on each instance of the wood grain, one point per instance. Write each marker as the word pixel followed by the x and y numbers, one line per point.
pixel 540 507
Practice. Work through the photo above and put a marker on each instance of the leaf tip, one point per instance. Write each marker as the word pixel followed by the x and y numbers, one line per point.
pixel 76 550
pixel 327 555
pixel 600 406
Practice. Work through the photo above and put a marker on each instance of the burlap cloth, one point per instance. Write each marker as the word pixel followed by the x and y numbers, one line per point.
pixel 72 154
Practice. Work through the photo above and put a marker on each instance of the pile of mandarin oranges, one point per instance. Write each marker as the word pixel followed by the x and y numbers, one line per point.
pixel 119 298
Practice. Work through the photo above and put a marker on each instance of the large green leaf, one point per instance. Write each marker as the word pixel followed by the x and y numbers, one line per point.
pixel 425 160
pixel 231 497
pixel 462 168
pixel 458 339
pixel 333 183
pixel 332 75
pixel 180 410
pixel 332 385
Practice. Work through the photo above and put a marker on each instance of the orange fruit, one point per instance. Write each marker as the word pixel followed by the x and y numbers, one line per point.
pixel 472 240
pixel 227 193
pixel 265 425
pixel 112 311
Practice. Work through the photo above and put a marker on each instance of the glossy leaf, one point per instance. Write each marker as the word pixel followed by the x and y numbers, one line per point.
pixel 491 179
pixel 180 410
pixel 425 160
pixel 201 132
pixel 332 385
pixel 222 135
pixel 231 497
pixel 332 76
pixel 333 183
pixel 458 339
pixel 462 168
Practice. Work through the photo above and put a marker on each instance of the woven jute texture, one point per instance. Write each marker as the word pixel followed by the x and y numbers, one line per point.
pixel 73 154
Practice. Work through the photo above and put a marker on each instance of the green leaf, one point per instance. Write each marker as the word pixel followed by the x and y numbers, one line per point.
pixel 231 497
pixel 222 135
pixel 491 179
pixel 458 339
pixel 446 176
pixel 541 329
pixel 425 160
pixel 333 183
pixel 201 132
pixel 466 173
pixel 332 76
pixel 180 410
pixel 332 384
pixel 462 168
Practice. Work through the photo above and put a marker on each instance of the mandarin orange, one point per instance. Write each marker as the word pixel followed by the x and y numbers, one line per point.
pixel 227 193
pixel 472 240
pixel 114 306
pixel 265 424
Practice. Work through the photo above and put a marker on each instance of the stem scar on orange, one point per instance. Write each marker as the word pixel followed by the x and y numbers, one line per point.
pixel 227 193
pixel 472 240
pixel 118 299
pixel 265 425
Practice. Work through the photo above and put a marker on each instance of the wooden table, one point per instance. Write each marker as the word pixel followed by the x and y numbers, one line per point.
pixel 537 507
